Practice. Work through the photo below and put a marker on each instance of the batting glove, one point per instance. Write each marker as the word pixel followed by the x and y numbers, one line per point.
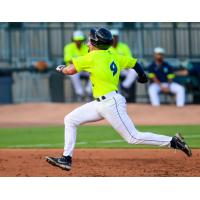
pixel 60 68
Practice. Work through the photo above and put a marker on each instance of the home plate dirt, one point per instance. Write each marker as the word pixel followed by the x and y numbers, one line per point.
pixel 101 162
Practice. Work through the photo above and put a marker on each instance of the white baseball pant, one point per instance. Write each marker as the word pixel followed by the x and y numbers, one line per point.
pixel 154 90
pixel 113 109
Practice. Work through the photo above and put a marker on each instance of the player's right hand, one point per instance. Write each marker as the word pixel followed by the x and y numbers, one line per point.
pixel 60 68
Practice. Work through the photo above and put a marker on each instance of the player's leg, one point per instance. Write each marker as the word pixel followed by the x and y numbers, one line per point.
pixel 153 91
pixel 83 114
pixel 76 82
pixel 179 90
pixel 114 110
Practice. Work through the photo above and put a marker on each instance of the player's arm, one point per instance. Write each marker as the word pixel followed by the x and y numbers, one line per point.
pixel 170 77
pixel 81 63
pixel 155 80
pixel 142 77
pixel 67 70
pixel 153 77
pixel 128 62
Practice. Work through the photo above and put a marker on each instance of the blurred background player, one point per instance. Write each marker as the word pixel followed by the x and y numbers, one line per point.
pixel 162 75
pixel 127 76
pixel 75 49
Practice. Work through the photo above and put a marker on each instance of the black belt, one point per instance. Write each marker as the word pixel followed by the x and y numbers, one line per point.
pixel 103 97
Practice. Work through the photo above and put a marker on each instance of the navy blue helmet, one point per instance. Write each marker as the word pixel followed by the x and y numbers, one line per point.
pixel 101 38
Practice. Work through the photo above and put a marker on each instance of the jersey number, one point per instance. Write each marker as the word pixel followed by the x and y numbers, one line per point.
pixel 113 68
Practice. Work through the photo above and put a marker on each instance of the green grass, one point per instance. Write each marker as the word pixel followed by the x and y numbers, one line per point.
pixel 87 137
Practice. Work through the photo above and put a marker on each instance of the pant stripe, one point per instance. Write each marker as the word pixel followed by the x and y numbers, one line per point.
pixel 128 129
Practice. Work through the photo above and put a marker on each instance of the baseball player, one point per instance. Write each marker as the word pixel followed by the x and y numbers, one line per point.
pixel 73 50
pixel 161 75
pixel 104 68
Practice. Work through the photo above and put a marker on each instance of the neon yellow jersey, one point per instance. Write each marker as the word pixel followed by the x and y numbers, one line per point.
pixel 71 51
pixel 121 49
pixel 104 68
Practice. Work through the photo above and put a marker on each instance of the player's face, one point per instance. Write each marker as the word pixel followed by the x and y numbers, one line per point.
pixel 79 43
pixel 159 57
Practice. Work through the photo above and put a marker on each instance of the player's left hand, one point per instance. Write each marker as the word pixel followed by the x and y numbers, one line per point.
pixel 60 68
pixel 143 78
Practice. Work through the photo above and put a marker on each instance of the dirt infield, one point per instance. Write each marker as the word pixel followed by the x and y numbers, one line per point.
pixel 53 113
pixel 101 162
pixel 98 162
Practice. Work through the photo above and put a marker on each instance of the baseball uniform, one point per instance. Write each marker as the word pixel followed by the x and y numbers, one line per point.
pixel 104 68
pixel 163 74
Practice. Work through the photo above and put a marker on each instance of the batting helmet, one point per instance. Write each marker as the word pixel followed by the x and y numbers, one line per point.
pixel 101 38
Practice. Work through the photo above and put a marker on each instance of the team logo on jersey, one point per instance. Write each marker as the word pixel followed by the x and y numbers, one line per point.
pixel 165 70
pixel 113 68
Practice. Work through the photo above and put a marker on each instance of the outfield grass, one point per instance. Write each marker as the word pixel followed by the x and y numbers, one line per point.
pixel 87 137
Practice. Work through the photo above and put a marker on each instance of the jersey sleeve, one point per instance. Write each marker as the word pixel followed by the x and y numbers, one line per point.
pixel 126 62
pixel 83 63
pixel 170 74
pixel 151 73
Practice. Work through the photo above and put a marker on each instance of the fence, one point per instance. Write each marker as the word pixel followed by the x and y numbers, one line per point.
pixel 46 40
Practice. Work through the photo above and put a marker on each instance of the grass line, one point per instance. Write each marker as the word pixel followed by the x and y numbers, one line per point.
pixel 88 136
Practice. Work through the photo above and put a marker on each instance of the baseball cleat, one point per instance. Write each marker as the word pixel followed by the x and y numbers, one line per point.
pixel 64 162
pixel 178 142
